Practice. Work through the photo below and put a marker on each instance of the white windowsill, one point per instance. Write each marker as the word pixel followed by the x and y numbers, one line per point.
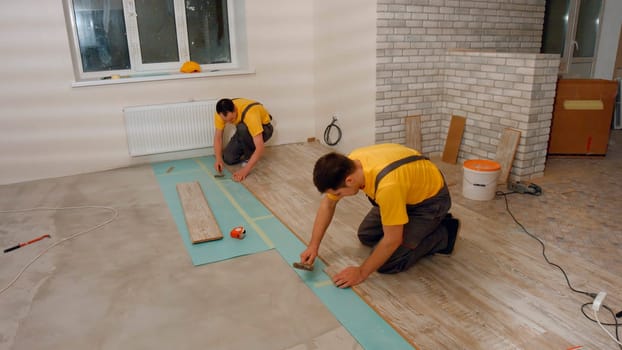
pixel 142 77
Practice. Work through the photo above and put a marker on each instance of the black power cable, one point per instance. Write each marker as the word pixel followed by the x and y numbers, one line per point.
pixel 589 294
pixel 328 131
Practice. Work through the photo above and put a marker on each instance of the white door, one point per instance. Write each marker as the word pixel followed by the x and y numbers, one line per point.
pixel 571 29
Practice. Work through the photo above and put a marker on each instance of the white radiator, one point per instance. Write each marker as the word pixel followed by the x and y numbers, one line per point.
pixel 169 127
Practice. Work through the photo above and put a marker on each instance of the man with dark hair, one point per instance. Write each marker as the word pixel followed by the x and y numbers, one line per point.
pixel 253 128
pixel 409 218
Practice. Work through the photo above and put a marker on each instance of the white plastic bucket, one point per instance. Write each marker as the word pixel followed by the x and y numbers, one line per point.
pixel 480 179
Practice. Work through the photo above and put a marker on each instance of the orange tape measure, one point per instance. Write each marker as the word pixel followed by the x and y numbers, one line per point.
pixel 238 232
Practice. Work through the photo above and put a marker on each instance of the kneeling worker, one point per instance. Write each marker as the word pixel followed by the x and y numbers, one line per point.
pixel 409 218
pixel 253 128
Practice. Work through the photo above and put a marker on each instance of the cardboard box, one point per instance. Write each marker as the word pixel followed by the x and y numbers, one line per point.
pixel 582 117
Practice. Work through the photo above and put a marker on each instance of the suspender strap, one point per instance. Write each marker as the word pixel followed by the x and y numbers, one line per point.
pixel 398 163
pixel 246 110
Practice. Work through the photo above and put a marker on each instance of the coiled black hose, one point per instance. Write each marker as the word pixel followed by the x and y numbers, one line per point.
pixel 328 132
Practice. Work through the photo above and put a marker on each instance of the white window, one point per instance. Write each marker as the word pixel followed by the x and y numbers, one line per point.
pixel 151 37
pixel 571 29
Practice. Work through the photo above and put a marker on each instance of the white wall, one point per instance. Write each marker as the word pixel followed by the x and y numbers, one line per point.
pixel 345 70
pixel 608 41
pixel 49 129
pixel 310 59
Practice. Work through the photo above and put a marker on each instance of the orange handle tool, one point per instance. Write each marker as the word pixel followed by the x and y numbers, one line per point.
pixel 27 243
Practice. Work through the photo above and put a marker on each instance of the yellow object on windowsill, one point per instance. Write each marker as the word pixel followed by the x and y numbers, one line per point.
pixel 190 67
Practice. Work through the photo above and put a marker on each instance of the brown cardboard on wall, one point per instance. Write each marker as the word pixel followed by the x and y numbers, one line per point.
pixel 577 129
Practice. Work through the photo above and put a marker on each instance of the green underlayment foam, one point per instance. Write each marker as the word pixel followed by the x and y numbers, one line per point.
pixel 233 205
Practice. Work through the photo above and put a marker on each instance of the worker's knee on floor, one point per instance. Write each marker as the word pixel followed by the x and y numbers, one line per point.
pixel 230 159
pixel 369 240
pixel 393 267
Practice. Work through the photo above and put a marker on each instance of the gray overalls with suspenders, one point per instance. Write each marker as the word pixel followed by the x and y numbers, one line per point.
pixel 423 234
pixel 241 143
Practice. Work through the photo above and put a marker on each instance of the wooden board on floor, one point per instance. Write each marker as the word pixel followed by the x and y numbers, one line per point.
pixel 454 138
pixel 413 132
pixel 200 220
pixel 506 151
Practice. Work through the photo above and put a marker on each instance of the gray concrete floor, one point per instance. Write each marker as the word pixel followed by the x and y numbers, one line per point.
pixel 131 285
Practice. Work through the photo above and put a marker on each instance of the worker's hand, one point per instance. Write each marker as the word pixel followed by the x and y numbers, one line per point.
pixel 218 166
pixel 308 256
pixel 348 277
pixel 241 174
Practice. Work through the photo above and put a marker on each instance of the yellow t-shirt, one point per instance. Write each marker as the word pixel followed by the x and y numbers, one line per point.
pixel 256 116
pixel 410 183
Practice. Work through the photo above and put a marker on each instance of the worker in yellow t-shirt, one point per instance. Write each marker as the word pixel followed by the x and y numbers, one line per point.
pixel 253 128
pixel 409 218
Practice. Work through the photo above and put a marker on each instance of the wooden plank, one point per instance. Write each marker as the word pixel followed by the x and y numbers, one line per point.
pixel 413 132
pixel 506 151
pixel 200 220
pixel 454 138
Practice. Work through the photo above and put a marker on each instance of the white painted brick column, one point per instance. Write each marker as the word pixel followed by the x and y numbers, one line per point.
pixel 495 91
pixel 417 73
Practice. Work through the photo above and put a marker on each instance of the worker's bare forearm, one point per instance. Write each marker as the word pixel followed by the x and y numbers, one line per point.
pixel 218 145
pixel 259 150
pixel 322 219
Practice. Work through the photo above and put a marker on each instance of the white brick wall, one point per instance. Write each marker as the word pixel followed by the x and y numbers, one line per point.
pixel 420 73
pixel 507 96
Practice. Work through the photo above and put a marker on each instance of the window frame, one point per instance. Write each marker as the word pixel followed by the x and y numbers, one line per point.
pixel 167 70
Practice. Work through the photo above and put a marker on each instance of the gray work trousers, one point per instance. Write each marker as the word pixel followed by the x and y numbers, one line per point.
pixel 241 145
pixel 423 234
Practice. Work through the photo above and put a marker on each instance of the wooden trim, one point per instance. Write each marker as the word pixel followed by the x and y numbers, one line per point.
pixel 506 150
pixel 454 139
pixel 413 132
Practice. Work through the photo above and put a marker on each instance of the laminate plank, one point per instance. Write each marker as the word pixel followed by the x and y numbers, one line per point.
pixel 454 138
pixel 413 132
pixel 200 220
pixel 506 150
